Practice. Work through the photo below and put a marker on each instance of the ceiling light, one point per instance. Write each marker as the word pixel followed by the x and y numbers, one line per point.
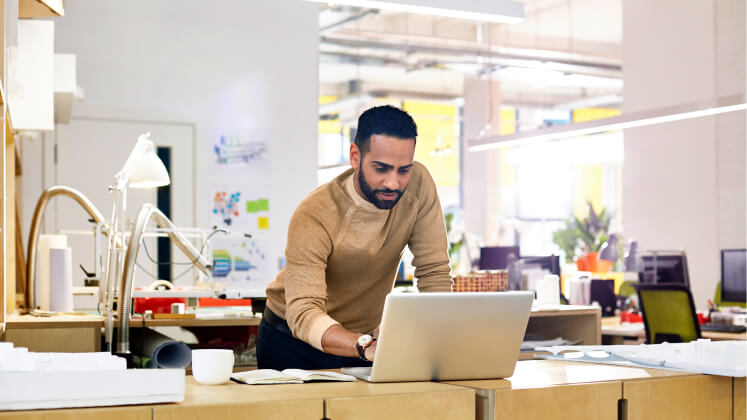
pixel 636 119
pixel 501 11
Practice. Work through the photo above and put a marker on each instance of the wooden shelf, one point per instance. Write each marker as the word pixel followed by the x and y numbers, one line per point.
pixel 28 9
pixel 18 321
pixel 137 321
pixel 565 310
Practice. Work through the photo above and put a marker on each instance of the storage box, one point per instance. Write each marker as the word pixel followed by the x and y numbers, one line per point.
pixel 482 281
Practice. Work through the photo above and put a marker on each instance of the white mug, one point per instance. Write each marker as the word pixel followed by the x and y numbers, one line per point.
pixel 212 366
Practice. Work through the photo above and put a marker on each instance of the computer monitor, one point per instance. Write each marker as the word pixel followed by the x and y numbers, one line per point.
pixel 550 263
pixel 496 257
pixel 734 275
pixel 603 292
pixel 661 267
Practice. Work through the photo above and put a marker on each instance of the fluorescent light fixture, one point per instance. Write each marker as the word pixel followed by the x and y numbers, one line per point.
pixel 501 11
pixel 636 119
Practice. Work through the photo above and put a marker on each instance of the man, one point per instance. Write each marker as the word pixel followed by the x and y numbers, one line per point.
pixel 345 242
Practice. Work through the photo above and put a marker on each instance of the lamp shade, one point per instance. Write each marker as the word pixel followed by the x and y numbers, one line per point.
pixel 143 168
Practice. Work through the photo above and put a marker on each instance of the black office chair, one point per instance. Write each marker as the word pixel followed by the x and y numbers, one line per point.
pixel 668 313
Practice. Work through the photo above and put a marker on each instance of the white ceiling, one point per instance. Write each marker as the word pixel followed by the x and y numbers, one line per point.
pixel 564 50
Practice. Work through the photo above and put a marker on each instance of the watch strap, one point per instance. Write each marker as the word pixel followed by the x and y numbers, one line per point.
pixel 361 352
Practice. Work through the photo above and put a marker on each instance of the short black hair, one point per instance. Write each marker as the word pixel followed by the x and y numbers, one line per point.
pixel 384 120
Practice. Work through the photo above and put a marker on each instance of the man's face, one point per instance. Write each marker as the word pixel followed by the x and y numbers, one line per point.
pixel 383 173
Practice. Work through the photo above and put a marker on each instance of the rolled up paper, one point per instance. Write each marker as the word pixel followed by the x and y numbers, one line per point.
pixel 61 280
pixel 162 350
pixel 46 242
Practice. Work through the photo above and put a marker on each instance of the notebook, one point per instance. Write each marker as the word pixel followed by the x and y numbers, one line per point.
pixel 288 376
pixel 448 336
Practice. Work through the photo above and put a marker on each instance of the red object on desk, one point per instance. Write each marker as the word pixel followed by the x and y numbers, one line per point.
pixel 158 305
pixel 702 319
pixel 630 317
pixel 205 301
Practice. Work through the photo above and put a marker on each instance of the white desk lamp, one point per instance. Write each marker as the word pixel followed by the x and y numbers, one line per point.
pixel 142 169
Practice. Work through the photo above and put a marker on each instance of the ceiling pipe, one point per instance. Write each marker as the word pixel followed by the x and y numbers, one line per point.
pixel 346 21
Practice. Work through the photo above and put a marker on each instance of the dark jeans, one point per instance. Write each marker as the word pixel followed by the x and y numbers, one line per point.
pixel 278 349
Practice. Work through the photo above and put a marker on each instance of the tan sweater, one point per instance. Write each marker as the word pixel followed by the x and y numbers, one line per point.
pixel 343 253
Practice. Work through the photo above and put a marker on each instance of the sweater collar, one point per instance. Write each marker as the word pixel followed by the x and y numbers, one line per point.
pixel 357 199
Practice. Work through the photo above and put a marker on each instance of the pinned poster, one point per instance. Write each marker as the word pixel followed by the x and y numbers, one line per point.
pixel 241 263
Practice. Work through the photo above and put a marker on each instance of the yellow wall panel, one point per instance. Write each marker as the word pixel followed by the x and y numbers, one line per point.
pixel 587 186
pixel 437 131
pixel 589 114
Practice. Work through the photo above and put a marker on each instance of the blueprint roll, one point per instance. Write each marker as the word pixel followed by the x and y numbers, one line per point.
pixel 61 280
pixel 46 242
pixel 162 350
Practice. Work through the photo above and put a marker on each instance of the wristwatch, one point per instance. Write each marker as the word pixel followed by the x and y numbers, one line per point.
pixel 362 344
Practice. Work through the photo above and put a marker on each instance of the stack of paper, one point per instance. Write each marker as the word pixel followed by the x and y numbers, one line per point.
pixel 59 380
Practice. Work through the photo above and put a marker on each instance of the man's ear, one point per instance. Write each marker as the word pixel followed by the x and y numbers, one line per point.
pixel 355 156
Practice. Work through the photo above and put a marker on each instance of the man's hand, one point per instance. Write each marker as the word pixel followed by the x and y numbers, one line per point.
pixel 339 341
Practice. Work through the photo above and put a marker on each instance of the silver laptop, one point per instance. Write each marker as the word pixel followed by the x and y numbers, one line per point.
pixel 448 336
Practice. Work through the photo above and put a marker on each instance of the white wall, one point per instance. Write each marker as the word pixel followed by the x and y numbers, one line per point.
pixel 229 66
pixel 684 183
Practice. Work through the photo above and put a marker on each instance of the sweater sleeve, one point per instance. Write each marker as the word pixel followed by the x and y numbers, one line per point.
pixel 428 241
pixel 309 246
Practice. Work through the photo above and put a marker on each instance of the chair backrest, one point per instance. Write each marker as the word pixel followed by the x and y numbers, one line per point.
pixel 668 313
pixel 627 289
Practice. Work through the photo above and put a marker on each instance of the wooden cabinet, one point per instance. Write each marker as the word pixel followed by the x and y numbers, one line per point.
pixel 416 401
pixel 333 401
pixel 572 322
pixel 569 390
pixel 580 401
pixel 97 413
pixel 740 399
pixel 683 398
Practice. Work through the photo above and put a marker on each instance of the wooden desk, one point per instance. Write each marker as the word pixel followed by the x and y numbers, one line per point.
pixel 635 333
pixel 570 390
pixel 613 332
pixel 572 322
pixel 82 333
pixel 312 401
pixel 538 389
pixel 335 401
pixel 58 333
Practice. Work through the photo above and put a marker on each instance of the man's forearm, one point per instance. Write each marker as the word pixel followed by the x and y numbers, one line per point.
pixel 339 341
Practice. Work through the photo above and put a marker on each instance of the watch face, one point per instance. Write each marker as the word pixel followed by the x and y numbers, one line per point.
pixel 364 340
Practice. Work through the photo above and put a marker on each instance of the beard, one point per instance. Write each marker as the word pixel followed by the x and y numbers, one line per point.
pixel 371 193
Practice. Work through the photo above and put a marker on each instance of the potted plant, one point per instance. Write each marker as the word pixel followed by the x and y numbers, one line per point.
pixel 581 240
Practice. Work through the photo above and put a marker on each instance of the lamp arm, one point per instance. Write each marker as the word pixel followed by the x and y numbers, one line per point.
pixel 41 206
pixel 147 212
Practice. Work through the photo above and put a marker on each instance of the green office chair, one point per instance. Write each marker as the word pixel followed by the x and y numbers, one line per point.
pixel 627 289
pixel 668 313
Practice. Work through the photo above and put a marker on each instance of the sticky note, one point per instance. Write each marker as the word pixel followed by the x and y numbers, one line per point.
pixel 263 223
